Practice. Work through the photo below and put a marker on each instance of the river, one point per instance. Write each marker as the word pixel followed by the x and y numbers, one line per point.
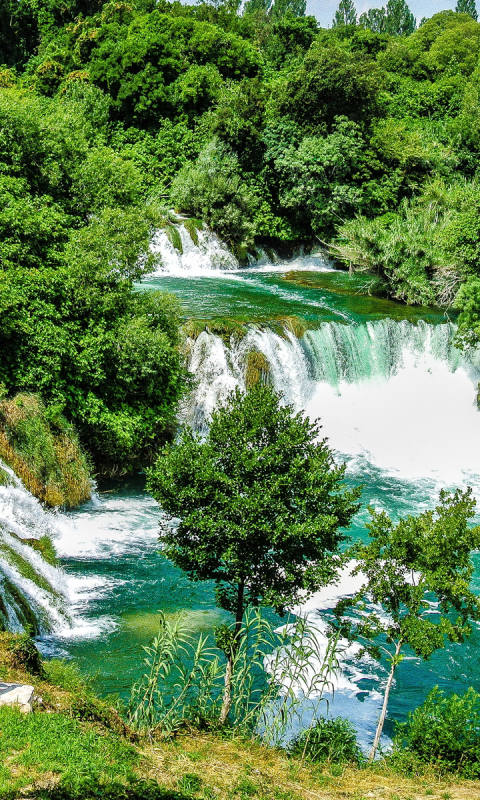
pixel 397 403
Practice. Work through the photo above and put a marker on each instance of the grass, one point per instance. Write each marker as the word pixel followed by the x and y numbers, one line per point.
pixel 193 225
pixel 44 451
pixel 75 746
pixel 257 368
pixel 174 237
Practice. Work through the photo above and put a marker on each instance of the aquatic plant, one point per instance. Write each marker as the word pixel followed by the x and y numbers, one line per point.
pixel 256 369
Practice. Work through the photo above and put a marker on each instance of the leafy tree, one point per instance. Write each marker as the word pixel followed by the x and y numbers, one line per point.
pixel 375 19
pixel 399 20
pixel 467 7
pixel 330 82
pixel 262 508
pixel 444 731
pixel 419 566
pixel 346 14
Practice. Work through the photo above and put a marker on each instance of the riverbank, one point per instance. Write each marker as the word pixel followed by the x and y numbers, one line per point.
pixel 75 746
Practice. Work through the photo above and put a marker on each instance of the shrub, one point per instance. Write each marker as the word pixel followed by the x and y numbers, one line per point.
pixel 328 740
pixel 444 731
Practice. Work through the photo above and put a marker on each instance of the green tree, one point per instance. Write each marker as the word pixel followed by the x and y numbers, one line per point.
pixel 399 19
pixel 375 19
pixel 419 572
pixel 467 7
pixel 346 14
pixel 262 508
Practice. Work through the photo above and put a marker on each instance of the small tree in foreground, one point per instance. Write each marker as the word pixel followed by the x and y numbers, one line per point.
pixel 262 508
pixel 419 572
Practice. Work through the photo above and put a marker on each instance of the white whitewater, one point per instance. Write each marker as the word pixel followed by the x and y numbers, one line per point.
pixel 397 394
pixel 28 584
pixel 209 255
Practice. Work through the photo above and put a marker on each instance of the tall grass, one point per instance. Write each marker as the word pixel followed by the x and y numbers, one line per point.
pixel 44 451
pixel 276 671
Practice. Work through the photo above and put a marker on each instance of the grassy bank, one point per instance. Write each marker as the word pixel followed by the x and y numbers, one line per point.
pixel 43 450
pixel 76 746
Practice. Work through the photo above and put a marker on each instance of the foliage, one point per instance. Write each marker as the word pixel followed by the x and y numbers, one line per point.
pixel 346 14
pixel 239 526
pixel 24 655
pixel 262 506
pixel 274 673
pixel 444 731
pixel 331 740
pixel 467 7
pixel 418 572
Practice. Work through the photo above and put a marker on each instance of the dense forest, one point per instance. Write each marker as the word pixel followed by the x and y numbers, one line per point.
pixel 364 137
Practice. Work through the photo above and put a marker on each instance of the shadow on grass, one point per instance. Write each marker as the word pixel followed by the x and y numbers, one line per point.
pixel 88 790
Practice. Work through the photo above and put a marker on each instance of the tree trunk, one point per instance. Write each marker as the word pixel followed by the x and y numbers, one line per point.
pixel 227 693
pixel 381 721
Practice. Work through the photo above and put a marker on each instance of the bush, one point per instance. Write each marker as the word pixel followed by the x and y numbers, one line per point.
pixel 444 731
pixel 328 740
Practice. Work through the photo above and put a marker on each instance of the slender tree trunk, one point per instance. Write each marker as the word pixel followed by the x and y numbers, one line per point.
pixel 227 692
pixel 381 721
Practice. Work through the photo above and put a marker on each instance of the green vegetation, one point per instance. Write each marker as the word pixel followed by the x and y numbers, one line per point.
pixel 332 740
pixel 254 121
pixel 262 507
pixel 444 730
pixel 419 572
pixel 76 746
pixel 43 450
pixel 75 233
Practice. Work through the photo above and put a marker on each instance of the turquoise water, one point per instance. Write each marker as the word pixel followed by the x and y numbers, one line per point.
pixel 397 403
pixel 259 295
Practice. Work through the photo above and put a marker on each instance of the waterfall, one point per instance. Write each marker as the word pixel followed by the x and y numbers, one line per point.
pixel 397 394
pixel 32 591
pixel 181 254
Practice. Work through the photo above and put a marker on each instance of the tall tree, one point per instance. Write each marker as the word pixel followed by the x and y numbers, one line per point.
pixel 467 7
pixel 419 572
pixel 399 19
pixel 346 14
pixel 262 505
pixel 375 19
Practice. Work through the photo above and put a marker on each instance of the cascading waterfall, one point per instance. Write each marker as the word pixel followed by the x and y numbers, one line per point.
pixel 343 373
pixel 394 398
pixel 207 254
pixel 32 591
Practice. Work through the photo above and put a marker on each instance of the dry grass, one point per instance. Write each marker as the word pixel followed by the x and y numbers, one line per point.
pixel 45 455
pixel 234 768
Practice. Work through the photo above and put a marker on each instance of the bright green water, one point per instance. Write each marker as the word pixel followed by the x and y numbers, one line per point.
pixel 258 295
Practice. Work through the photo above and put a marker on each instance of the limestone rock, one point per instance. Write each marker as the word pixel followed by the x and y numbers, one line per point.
pixel 20 694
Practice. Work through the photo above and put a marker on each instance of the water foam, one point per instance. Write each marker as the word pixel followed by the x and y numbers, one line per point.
pixel 208 256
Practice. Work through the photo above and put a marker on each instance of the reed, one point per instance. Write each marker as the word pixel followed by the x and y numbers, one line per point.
pixel 275 672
